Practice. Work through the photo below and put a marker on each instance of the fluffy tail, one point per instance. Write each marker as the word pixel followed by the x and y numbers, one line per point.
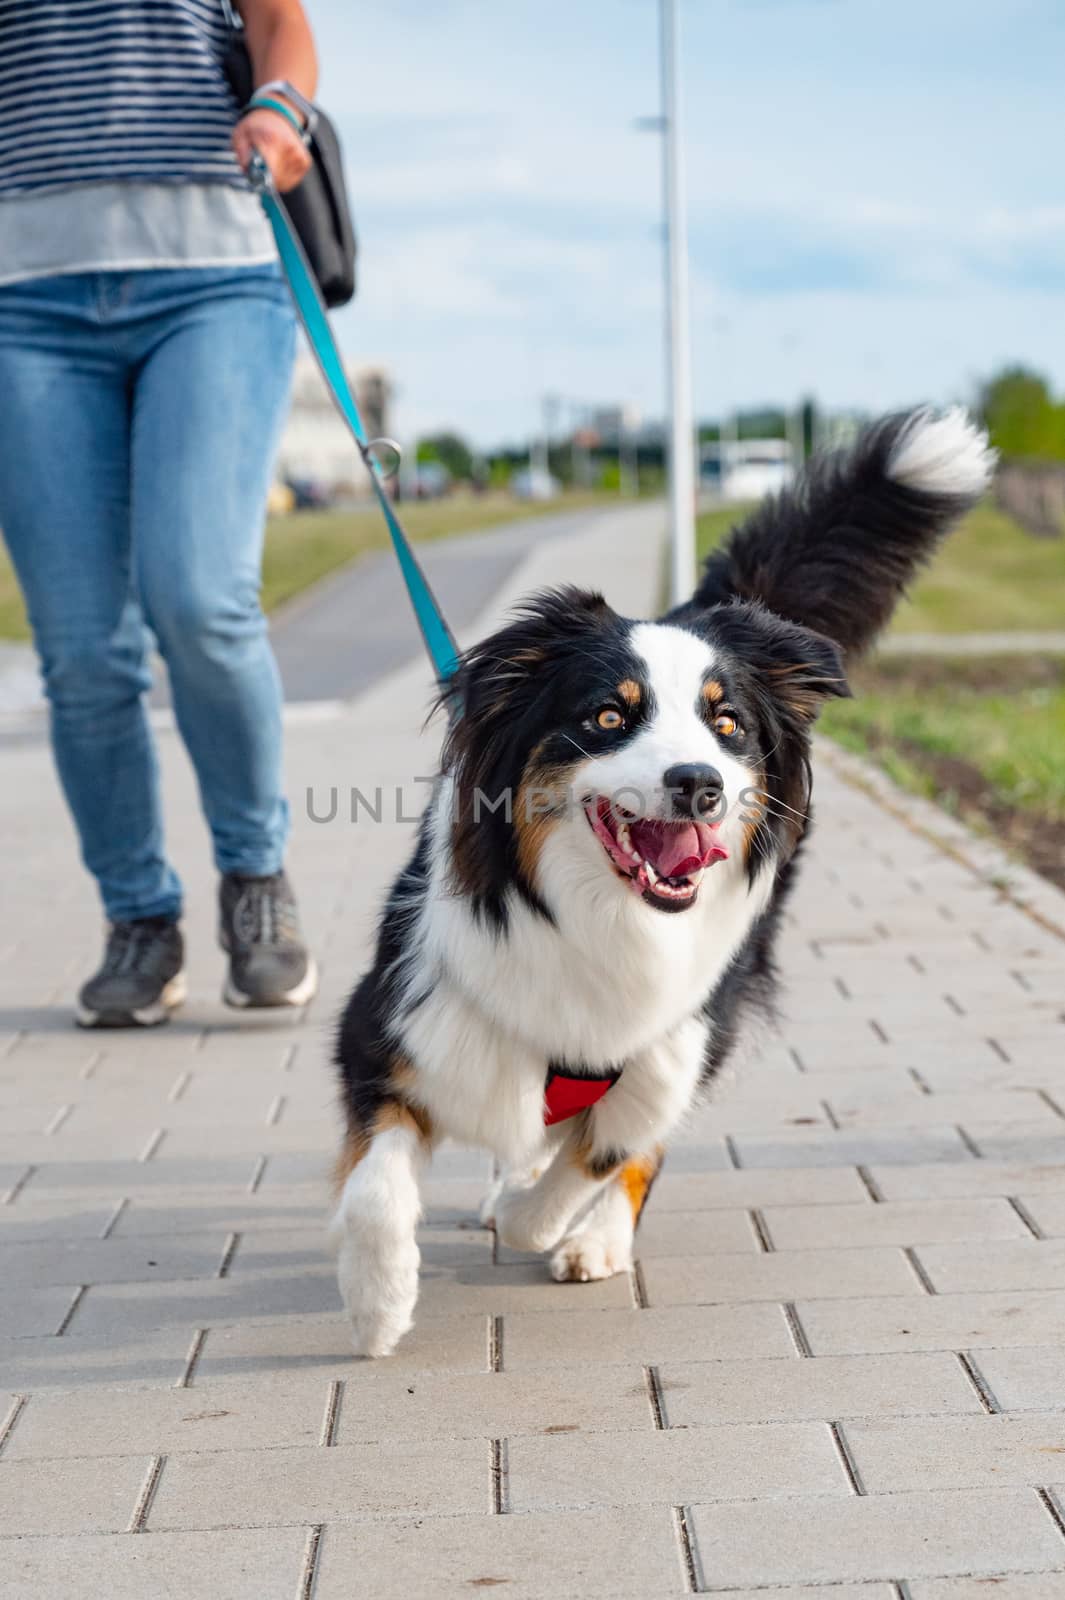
pixel 836 551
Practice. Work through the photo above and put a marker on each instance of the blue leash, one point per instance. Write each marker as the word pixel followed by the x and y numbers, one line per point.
pixel 439 641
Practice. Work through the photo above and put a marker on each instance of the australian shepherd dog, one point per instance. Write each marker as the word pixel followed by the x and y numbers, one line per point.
pixel 590 911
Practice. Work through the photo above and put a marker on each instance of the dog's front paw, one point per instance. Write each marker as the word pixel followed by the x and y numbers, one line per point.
pixel 520 1223
pixel 586 1257
pixel 379 1297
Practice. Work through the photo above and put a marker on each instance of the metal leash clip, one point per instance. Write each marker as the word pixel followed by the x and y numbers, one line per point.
pixel 385 454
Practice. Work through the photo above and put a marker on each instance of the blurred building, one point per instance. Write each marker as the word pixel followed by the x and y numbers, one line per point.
pixel 316 447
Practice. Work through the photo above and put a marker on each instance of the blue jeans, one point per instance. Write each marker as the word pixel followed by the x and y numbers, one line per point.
pixel 139 417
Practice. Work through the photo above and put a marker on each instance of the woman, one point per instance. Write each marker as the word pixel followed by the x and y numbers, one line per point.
pixel 146 344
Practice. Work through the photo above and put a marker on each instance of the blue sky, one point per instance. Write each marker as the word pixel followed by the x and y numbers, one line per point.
pixel 877 212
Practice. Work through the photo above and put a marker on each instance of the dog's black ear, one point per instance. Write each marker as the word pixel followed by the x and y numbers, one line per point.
pixel 501 677
pixel 802 668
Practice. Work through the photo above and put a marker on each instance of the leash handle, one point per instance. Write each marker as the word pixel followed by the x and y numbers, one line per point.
pixel 310 308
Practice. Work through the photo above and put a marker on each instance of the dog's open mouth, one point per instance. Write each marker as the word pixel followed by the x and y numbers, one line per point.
pixel 664 861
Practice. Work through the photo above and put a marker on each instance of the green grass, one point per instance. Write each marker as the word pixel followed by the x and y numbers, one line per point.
pixel 308 545
pixel 989 577
pixel 1003 717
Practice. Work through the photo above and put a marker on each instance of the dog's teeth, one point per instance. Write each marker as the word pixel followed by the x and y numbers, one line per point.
pixel 652 875
pixel 624 838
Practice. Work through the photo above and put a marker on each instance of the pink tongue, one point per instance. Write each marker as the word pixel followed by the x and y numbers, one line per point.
pixel 675 849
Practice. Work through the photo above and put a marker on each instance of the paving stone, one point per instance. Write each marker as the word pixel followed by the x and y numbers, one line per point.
pixel 314 1485
pixel 520 1287
pixel 585 1397
pixel 898 1222
pixel 105 1361
pixel 206 1210
pixel 731 1462
pixel 27 1221
pixel 1026 1379
pixel 261 1413
pixel 96 1496
pixel 110 1260
pixel 11 1174
pixel 915 1110
pixel 995 1264
pixel 294 1249
pixel 139 1177
pixel 767 1187
pixel 699 1393
pixel 799 1148
pixel 1030 1143
pixel 835 1591
pixel 1010 1586
pixel 197 1303
pixel 828 1540
pixel 594 1555
pixel 958 1452
pixel 35 1311
pixel 934 1322
pixel 263 1564
pixel 323 1344
pixel 945 1182
pixel 780 1275
pixel 668 1333
pixel 1047 1211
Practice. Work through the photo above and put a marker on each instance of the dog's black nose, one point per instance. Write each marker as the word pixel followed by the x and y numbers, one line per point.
pixel 694 789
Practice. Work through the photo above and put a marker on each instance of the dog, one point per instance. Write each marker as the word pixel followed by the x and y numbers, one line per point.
pixel 590 910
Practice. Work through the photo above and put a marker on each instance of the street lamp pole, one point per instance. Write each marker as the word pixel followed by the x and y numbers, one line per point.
pixel 681 446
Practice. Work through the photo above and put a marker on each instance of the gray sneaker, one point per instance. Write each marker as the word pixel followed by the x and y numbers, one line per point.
pixel 269 964
pixel 141 979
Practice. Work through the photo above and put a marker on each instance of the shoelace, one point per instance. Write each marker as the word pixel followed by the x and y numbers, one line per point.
pixel 265 916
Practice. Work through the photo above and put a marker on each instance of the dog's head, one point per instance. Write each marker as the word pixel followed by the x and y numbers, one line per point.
pixel 631 757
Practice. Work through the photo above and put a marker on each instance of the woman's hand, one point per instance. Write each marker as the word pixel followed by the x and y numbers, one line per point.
pixel 279 145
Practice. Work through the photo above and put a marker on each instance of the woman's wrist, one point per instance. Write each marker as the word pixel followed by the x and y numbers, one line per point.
pixel 269 102
pixel 291 97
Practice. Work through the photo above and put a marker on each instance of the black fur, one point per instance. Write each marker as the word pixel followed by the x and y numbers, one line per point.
pixel 802 586
pixel 835 552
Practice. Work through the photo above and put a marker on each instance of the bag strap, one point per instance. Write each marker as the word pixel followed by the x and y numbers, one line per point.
pixel 310 307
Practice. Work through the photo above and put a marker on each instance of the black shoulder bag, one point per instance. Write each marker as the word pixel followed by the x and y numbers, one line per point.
pixel 318 205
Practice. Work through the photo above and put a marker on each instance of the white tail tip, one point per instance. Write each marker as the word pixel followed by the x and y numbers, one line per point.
pixel 946 455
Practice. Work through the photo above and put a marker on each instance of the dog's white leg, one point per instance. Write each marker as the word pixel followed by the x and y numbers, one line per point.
pixel 602 1145
pixel 373 1233
pixel 599 1244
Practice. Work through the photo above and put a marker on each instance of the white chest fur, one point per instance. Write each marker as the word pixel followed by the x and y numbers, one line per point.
pixel 608 980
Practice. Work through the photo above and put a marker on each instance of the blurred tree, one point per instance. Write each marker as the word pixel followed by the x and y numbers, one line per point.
pixel 1022 416
pixel 451 451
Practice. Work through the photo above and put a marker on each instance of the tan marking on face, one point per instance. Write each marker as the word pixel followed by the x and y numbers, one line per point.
pixel 539 805
pixel 712 691
pixel 630 692
pixel 636 1178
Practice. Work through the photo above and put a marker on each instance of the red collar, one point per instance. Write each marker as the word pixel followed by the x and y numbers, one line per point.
pixel 565 1095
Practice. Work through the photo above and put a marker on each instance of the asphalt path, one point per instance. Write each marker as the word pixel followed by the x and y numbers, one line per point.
pixel 335 640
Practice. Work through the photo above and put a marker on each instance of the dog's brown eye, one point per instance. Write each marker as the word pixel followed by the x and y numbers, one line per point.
pixel 609 719
pixel 725 724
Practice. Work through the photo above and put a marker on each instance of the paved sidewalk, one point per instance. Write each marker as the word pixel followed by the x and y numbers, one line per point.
pixel 839 1369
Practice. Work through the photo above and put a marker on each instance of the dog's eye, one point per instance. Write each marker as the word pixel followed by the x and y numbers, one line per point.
pixel 609 719
pixel 725 724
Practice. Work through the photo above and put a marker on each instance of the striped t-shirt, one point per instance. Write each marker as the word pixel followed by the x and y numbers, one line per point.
pixel 99 91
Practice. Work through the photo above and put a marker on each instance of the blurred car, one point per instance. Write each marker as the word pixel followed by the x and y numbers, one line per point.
pixel 535 484
pixel 310 494
pixel 432 480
